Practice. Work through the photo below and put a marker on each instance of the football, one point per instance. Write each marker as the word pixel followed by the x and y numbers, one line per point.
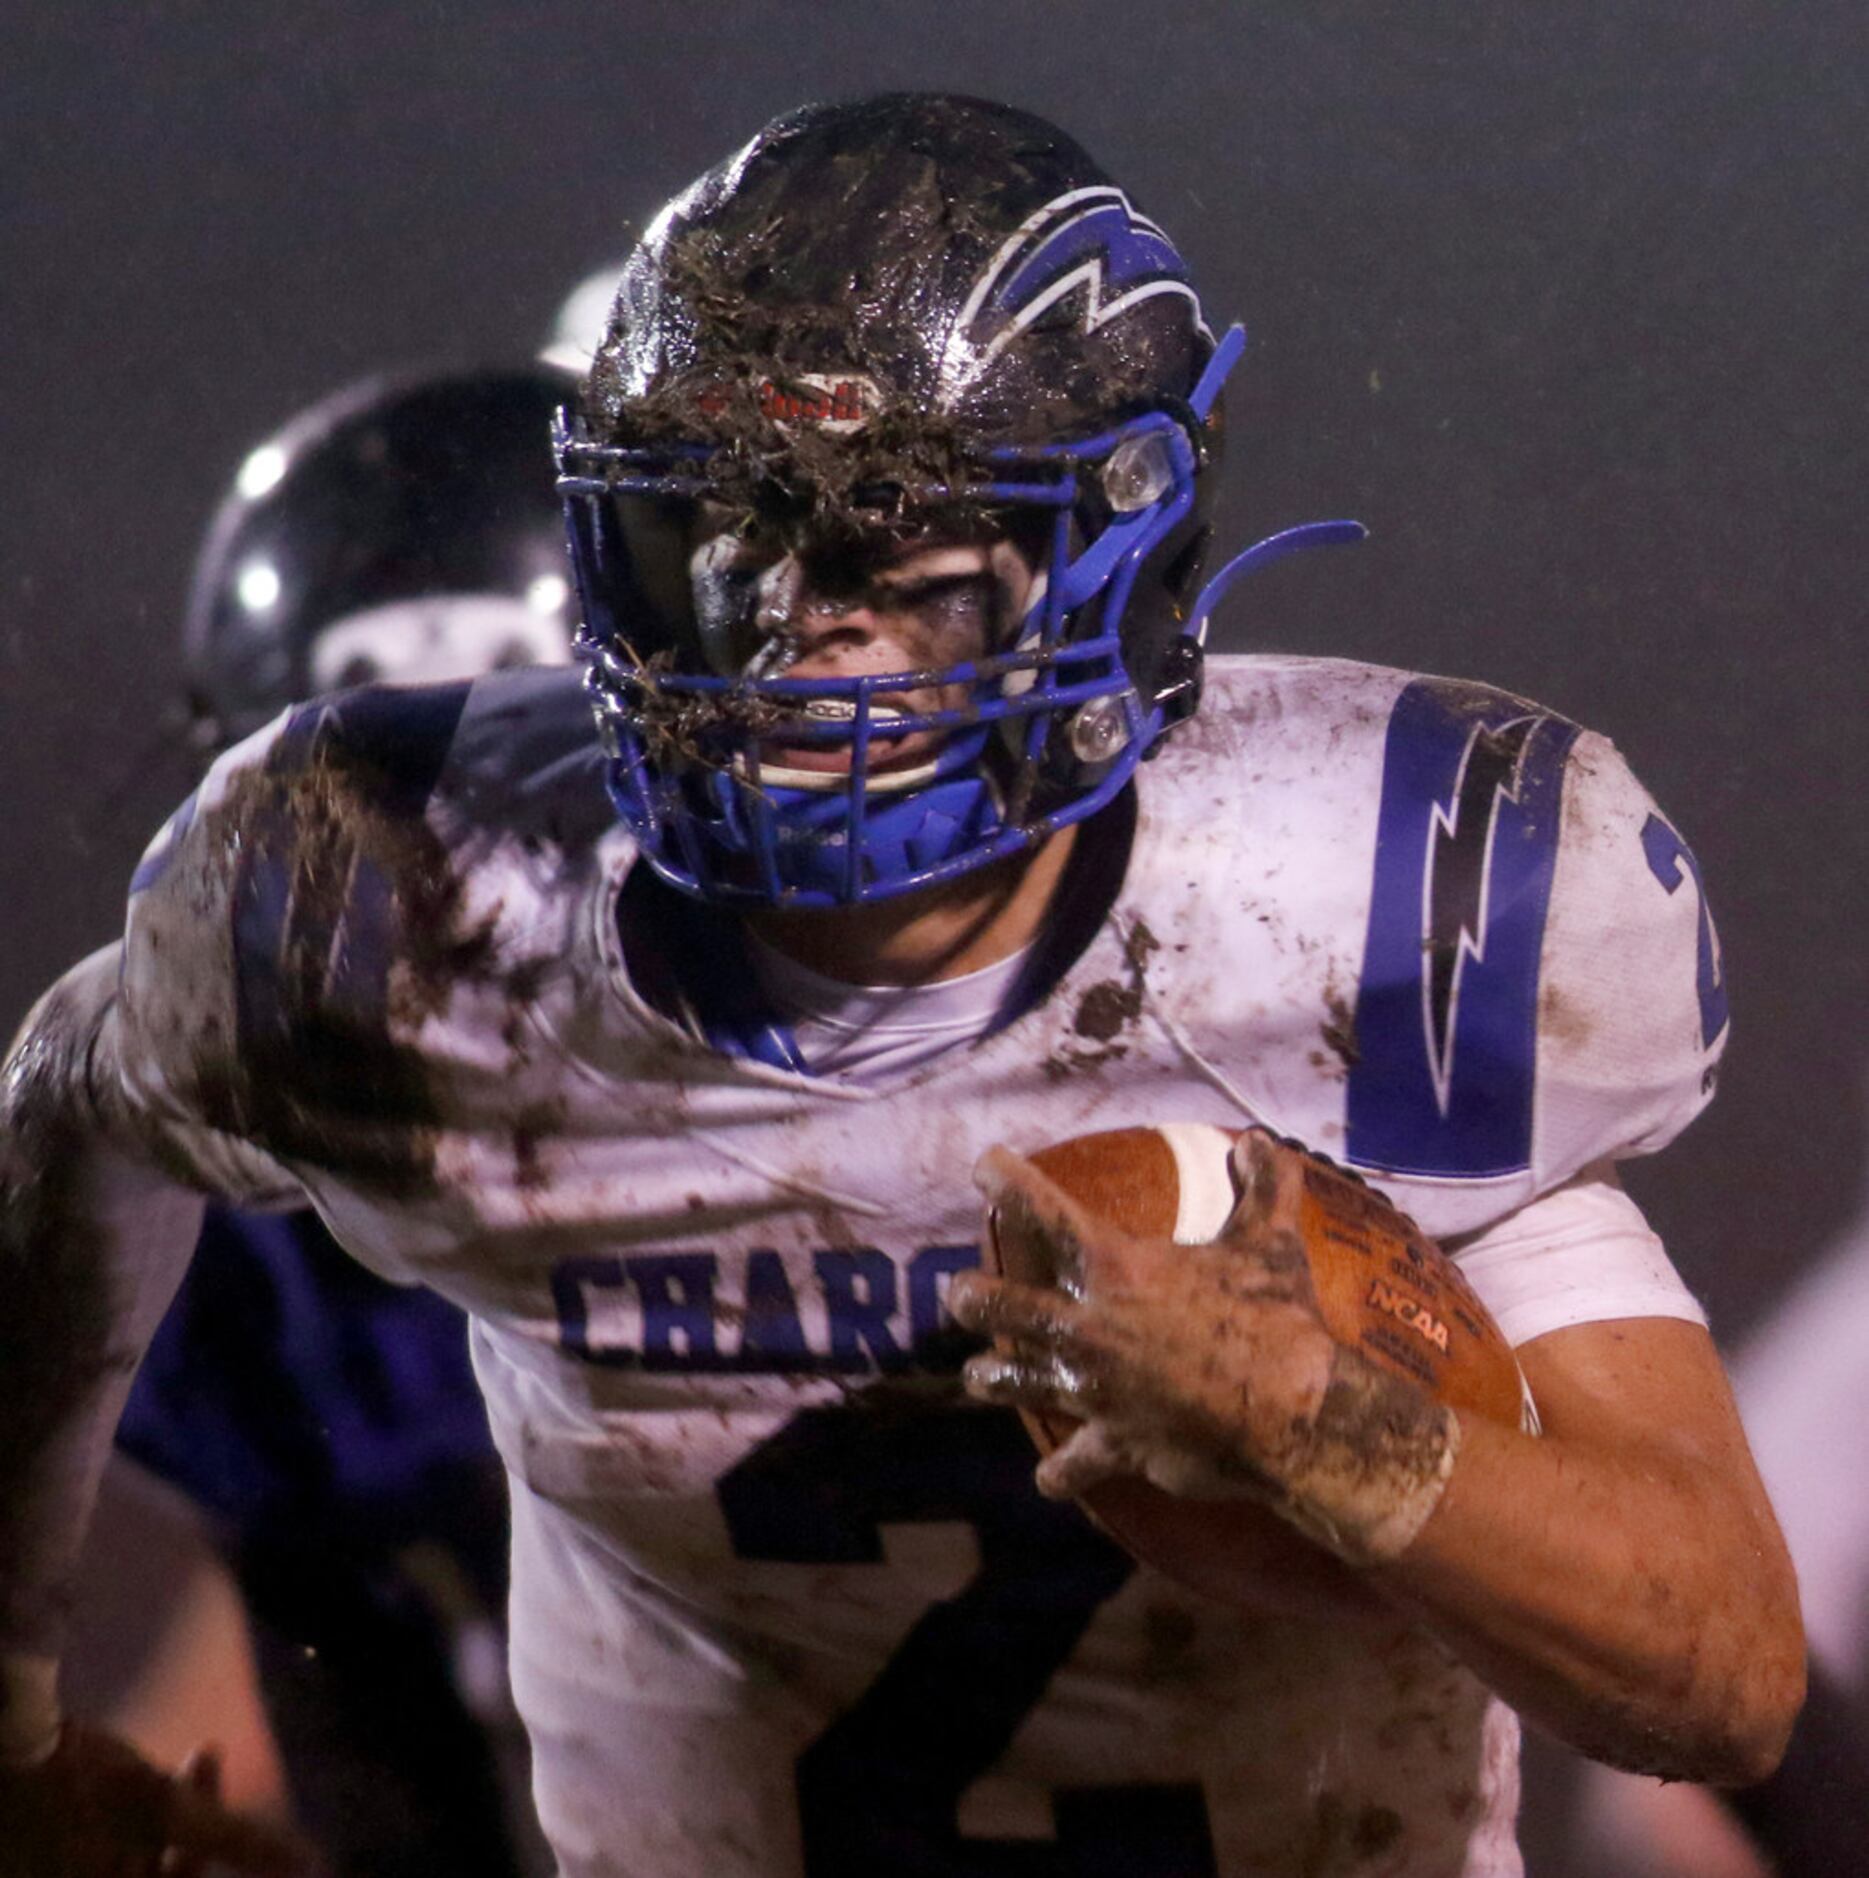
pixel 1381 1286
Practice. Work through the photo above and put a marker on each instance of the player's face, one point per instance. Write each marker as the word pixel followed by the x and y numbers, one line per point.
pixel 927 601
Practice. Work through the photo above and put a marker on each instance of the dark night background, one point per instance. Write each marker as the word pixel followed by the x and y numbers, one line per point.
pixel 1565 303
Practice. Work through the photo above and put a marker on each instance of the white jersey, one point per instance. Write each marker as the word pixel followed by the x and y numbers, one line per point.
pixel 785 1602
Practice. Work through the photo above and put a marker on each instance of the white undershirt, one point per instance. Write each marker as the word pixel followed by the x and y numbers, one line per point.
pixel 1580 1254
pixel 864 1032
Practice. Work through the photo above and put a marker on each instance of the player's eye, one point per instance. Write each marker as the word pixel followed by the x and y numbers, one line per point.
pixel 724 580
pixel 948 601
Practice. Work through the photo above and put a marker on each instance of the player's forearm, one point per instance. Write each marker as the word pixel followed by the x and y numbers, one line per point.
pixel 1642 1609
pixel 92 1243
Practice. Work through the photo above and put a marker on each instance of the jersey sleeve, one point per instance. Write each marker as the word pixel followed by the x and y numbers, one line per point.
pixel 1541 986
pixel 176 1023
pixel 1632 1013
pixel 1581 1254
pixel 289 933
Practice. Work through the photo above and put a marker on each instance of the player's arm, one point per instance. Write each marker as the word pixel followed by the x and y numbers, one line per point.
pixel 97 1221
pixel 1620 1579
pixel 93 1240
pixel 1630 1589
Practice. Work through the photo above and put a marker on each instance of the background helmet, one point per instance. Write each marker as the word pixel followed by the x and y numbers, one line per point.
pixel 581 321
pixel 876 314
pixel 403 528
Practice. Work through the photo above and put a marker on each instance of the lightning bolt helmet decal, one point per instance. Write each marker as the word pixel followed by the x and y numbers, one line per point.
pixel 1090 243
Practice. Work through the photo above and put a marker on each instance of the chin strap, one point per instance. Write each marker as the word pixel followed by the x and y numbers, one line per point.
pixel 1262 554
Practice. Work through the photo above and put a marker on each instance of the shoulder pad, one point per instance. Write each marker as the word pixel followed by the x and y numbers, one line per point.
pixel 340 888
pixel 1464 950
pixel 293 921
pixel 1541 983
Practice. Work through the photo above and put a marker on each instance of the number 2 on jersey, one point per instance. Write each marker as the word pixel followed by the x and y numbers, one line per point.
pixel 879 1791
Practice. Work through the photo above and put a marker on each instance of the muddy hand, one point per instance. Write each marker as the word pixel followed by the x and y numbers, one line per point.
pixel 1182 1362
pixel 1206 1369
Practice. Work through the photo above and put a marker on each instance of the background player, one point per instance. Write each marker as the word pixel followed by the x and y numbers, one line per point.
pixel 676 1247
pixel 403 529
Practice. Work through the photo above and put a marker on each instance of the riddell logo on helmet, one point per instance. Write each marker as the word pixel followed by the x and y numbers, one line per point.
pixel 829 401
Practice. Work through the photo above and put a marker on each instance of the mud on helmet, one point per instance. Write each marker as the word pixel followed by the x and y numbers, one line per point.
pixel 404 527
pixel 909 313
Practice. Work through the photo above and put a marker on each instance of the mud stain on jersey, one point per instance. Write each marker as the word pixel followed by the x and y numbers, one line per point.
pixel 833 1229
pixel 1562 1020
pixel 533 1126
pixel 1107 1009
pixel 1217 737
pixel 1591 787
pixel 1139 946
pixel 524 984
pixel 1069 1060
pixel 348 933
pixel 1339 1033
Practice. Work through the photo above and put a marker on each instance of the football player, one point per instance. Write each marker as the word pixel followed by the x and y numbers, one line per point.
pixel 579 323
pixel 667 1054
pixel 399 530
pixel 402 529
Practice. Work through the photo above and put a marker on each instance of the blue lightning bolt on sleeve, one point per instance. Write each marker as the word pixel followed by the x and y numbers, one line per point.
pixel 1447 1011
